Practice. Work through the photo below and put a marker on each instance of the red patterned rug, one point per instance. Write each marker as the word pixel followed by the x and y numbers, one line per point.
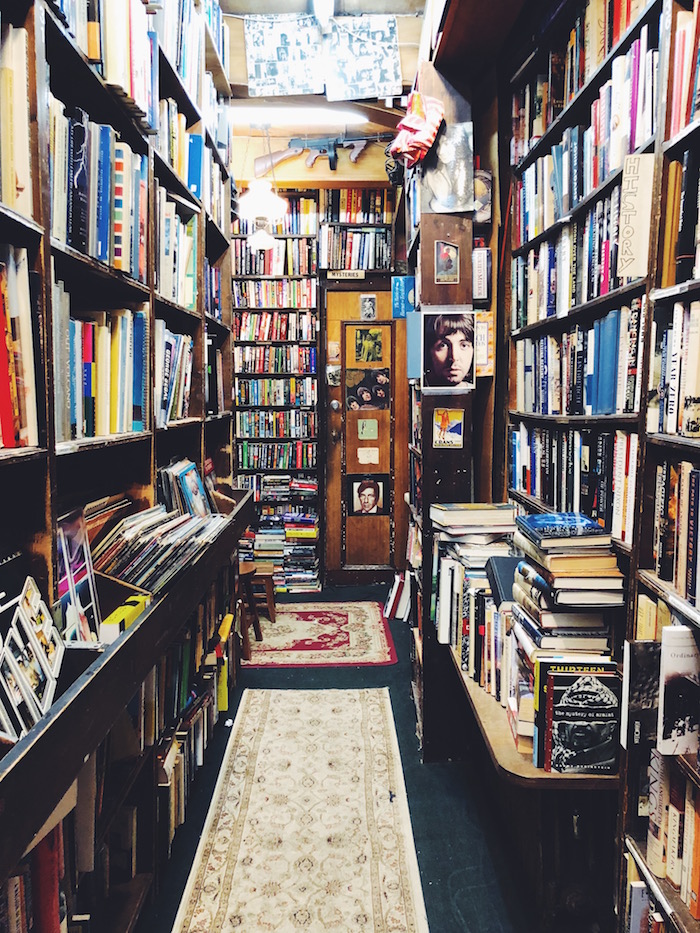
pixel 324 635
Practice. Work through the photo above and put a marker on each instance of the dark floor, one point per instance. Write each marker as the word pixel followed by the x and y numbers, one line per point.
pixel 466 885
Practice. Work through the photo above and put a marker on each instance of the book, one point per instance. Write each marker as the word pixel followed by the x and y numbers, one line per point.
pixel 500 572
pixel 562 530
pixel 679 691
pixel 471 513
pixel 585 559
pixel 561 639
pixel 582 722
pixel 640 692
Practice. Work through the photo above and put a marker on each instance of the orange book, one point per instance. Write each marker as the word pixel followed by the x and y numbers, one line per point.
pixel 694 873
pixel 673 205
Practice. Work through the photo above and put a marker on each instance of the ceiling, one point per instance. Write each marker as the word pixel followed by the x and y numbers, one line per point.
pixel 342 7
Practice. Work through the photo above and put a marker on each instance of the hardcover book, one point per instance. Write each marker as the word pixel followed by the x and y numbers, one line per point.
pixel 640 692
pixel 471 513
pixel 562 530
pixel 500 572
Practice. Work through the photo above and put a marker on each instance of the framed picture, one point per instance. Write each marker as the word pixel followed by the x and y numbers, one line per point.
pixel 22 702
pixel 368 495
pixel 368 345
pixel 34 676
pixel 368 307
pixel 448 349
pixel 448 427
pixel 37 618
pixel 446 263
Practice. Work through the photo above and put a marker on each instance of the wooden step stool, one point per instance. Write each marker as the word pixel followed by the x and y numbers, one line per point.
pixel 263 577
pixel 246 574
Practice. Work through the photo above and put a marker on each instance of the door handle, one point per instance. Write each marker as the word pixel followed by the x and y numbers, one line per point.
pixel 335 405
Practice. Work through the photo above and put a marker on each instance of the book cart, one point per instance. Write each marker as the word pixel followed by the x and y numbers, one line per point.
pixel 275 307
pixel 58 470
pixel 627 439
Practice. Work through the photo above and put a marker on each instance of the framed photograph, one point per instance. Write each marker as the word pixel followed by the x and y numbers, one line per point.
pixel 368 495
pixel 446 263
pixel 22 701
pixel 448 349
pixel 34 676
pixel 448 427
pixel 38 619
pixel 448 171
pixel 368 307
pixel 368 345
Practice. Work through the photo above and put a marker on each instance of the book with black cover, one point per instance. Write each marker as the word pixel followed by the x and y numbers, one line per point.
pixel 640 692
pixel 562 530
pixel 500 572
pixel 582 723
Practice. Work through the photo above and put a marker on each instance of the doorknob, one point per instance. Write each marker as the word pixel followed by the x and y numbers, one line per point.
pixel 335 405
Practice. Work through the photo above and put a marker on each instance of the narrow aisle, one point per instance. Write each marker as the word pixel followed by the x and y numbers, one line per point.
pixel 466 884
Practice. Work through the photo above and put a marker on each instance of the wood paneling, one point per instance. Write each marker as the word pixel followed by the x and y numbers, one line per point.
pixel 367 540
pixel 457 230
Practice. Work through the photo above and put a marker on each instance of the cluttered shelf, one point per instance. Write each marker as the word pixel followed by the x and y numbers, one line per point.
pixel 80 718
pixel 515 767
pixel 666 896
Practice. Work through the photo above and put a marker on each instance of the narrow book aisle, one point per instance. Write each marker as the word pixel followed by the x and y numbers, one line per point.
pixel 467 885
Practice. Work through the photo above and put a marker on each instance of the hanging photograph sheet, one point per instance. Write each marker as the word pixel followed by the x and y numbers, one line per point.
pixel 448 171
pixel 282 54
pixel 362 58
pixel 448 349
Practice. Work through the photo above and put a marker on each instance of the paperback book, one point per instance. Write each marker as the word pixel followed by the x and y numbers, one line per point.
pixel 583 722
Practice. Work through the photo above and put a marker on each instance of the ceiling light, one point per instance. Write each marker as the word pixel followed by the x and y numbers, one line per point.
pixel 262 239
pixel 260 202
pixel 306 117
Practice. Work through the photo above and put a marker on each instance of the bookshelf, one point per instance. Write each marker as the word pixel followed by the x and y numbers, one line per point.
pixel 79 281
pixel 355 230
pixel 650 412
pixel 276 391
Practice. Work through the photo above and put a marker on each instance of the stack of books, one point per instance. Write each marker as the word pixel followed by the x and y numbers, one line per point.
pixel 562 592
pixel 300 554
pixel 269 546
pixel 475 531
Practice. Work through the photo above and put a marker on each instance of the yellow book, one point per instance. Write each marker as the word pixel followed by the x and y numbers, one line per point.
pixel 663 618
pixel 646 618
pixel 7 145
pixel 222 686
pixel 673 206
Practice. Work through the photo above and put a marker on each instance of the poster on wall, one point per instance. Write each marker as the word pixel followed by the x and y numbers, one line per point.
pixel 448 349
pixel 448 427
pixel 362 58
pixel 282 55
pixel 448 171
pixel 367 388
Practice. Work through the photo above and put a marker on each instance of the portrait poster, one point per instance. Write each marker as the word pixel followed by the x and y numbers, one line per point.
pixel 447 349
pixel 368 495
pixel 446 263
pixel 283 55
pixel 448 427
pixel 367 389
pixel 448 171
pixel 362 58
pixel 368 307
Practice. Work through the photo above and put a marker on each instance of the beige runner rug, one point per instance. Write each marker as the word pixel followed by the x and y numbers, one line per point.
pixel 309 827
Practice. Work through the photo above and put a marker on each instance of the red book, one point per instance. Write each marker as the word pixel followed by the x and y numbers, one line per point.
pixel 9 426
pixel 45 865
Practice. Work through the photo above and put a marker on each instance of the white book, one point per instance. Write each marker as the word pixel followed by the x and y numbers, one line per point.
pixel 15 55
pixel 444 602
pixel 631 487
pixel 618 483
pixel 622 359
pixel 640 129
pixel 677 732
pixel 21 313
pixel 671 414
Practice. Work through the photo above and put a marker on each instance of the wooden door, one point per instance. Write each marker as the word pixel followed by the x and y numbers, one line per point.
pixel 366 437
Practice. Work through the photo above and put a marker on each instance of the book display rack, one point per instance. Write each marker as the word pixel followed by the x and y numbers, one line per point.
pixel 603 394
pixel 275 308
pixel 116 264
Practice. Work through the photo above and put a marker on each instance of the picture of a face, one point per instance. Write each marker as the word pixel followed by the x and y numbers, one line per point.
pixel 449 351
pixel 369 496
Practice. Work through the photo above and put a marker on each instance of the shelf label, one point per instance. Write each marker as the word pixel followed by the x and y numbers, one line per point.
pixel 346 274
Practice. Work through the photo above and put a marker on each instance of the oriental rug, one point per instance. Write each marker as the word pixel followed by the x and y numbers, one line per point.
pixel 309 827
pixel 324 635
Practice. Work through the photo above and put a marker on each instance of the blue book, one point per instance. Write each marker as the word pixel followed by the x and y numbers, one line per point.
pixel 153 91
pixel 104 191
pixel 403 288
pixel 140 370
pixel 413 345
pixel 194 169
pixel 607 362
pixel 592 372
pixel 557 529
